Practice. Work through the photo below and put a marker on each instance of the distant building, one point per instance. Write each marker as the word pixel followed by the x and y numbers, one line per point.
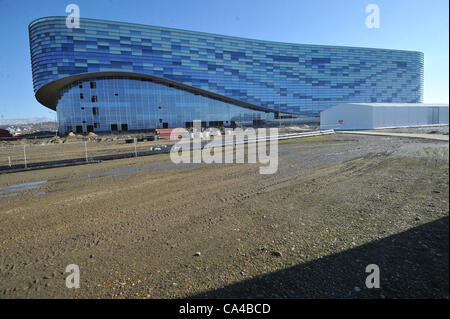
pixel 363 116
pixel 115 76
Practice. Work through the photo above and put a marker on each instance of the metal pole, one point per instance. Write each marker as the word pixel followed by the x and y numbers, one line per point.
pixel 135 151
pixel 85 150
pixel 25 156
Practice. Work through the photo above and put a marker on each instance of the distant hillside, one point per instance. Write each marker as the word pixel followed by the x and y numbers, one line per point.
pixel 33 120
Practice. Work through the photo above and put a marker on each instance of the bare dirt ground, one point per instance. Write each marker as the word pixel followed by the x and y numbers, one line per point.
pixel 135 226
pixel 438 129
pixel 70 147
pixel 48 150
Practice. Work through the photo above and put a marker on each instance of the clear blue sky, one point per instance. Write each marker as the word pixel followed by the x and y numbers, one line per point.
pixel 420 25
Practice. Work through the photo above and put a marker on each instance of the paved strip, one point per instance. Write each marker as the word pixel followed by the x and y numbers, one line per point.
pixel 440 137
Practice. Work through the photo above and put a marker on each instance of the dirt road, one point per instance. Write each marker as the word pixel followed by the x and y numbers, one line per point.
pixel 146 228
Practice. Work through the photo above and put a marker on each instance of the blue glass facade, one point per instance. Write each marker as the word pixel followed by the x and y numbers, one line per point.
pixel 122 104
pixel 291 78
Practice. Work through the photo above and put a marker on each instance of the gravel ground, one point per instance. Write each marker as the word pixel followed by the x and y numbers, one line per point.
pixel 146 228
pixel 440 129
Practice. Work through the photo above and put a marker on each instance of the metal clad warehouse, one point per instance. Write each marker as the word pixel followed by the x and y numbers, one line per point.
pixel 363 116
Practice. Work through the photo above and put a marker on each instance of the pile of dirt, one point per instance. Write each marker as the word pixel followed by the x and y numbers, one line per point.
pixel 55 140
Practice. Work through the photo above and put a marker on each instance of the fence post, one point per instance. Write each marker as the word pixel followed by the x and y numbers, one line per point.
pixel 85 150
pixel 135 151
pixel 9 161
pixel 25 156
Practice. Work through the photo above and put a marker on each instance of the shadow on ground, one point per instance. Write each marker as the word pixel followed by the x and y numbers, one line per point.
pixel 413 264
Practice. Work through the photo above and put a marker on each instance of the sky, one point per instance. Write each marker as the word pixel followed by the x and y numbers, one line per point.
pixel 418 25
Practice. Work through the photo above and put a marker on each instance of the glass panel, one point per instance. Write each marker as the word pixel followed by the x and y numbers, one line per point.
pixel 131 104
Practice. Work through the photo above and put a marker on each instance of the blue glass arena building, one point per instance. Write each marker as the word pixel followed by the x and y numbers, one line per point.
pixel 114 76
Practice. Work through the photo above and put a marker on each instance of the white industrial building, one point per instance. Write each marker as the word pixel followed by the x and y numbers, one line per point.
pixel 366 116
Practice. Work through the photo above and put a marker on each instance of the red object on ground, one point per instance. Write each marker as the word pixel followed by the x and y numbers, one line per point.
pixel 166 133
